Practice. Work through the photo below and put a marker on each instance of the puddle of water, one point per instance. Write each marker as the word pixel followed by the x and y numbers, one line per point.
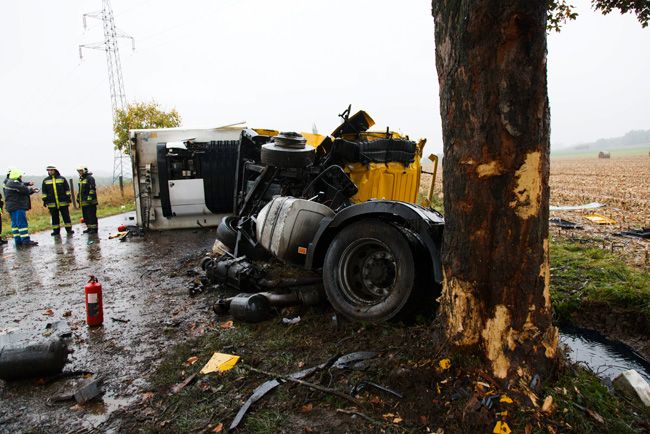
pixel 606 358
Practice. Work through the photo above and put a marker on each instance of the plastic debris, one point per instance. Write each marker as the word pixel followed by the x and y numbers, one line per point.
pixel 630 383
pixel 340 363
pixel 220 362
pixel 444 364
pixel 501 428
pixel 564 224
pixel 506 399
pixel 600 219
pixel 592 205
pixel 635 233
pixel 291 321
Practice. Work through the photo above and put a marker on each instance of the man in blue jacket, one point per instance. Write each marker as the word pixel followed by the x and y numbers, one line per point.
pixel 18 201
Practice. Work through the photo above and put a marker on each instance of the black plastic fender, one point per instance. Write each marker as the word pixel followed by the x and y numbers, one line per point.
pixel 425 224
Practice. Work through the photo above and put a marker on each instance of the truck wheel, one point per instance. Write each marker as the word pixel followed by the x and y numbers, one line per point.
pixel 285 158
pixel 369 271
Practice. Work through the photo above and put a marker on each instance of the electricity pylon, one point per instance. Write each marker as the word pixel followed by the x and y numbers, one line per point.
pixel 115 79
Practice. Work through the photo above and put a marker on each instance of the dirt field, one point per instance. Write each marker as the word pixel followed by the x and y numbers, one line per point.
pixel 622 183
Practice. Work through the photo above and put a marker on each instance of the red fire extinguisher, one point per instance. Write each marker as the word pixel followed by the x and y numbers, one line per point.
pixel 94 304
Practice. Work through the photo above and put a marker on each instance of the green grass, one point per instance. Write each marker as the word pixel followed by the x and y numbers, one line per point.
pixel 631 151
pixel 577 392
pixel 582 273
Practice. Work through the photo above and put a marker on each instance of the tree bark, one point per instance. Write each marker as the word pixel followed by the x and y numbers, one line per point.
pixel 491 62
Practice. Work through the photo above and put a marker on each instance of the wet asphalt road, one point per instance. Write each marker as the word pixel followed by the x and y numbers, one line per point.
pixel 144 282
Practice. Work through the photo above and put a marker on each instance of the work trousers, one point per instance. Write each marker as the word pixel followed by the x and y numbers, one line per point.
pixel 56 222
pixel 90 216
pixel 19 227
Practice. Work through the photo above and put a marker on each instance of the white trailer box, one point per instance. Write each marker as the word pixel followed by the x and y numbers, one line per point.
pixel 184 178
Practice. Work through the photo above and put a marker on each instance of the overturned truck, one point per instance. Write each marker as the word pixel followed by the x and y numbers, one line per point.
pixel 342 207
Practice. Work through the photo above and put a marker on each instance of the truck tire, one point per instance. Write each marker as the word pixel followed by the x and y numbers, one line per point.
pixel 227 234
pixel 227 231
pixel 287 158
pixel 369 271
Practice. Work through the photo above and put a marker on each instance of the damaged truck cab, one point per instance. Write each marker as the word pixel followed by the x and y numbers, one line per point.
pixel 340 208
pixel 342 205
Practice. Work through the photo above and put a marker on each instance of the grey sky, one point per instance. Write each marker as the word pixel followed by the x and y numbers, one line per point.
pixel 282 64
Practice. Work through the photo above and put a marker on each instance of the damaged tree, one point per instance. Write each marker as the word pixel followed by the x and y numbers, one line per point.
pixel 491 62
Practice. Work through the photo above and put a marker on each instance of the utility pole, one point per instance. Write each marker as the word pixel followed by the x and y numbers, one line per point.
pixel 115 79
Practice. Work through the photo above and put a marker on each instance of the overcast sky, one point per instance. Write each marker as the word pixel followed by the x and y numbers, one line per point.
pixel 284 64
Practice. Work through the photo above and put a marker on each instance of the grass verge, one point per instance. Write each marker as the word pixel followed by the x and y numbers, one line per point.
pixel 110 199
pixel 582 274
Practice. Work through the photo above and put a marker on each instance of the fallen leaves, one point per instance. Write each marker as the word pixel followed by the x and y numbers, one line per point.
pixel 49 312
pixel 192 360
pixel 218 428
pixel 226 325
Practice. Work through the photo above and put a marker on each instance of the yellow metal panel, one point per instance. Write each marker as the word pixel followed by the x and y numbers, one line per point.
pixel 313 139
pixel 390 181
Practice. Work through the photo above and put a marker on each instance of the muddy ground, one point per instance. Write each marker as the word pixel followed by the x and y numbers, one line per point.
pixel 145 297
pixel 149 362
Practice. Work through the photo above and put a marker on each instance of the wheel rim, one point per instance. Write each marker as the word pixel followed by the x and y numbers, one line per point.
pixel 367 272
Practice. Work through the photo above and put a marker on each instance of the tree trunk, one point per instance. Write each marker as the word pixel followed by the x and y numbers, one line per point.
pixel 491 62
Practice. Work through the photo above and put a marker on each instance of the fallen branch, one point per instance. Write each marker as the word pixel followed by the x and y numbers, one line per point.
pixel 307 384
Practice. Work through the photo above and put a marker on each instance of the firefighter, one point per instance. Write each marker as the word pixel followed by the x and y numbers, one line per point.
pixel 2 240
pixel 87 198
pixel 55 192
pixel 17 195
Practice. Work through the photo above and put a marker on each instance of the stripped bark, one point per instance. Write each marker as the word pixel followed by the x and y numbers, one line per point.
pixel 491 62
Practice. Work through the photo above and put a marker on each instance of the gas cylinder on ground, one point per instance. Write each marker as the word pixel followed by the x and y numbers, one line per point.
pixel 94 304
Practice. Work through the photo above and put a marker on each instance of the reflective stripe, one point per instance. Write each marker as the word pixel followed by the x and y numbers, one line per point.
pixel 24 235
pixel 56 227
pixel 48 182
pixel 56 194
pixel 67 225
pixel 59 181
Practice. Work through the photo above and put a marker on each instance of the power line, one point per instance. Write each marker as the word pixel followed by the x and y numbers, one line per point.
pixel 115 78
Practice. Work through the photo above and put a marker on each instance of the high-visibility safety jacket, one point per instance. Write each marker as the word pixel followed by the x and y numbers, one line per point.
pixel 87 190
pixel 55 191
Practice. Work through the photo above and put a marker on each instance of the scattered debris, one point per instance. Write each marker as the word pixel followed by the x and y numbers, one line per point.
pixel 220 362
pixel 89 391
pixel 444 364
pixel 632 385
pixel 564 224
pixel 501 428
pixel 635 233
pixel 291 321
pixel 120 320
pixel 592 205
pixel 600 219
pixel 356 389
pixel 341 362
pixel 24 355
